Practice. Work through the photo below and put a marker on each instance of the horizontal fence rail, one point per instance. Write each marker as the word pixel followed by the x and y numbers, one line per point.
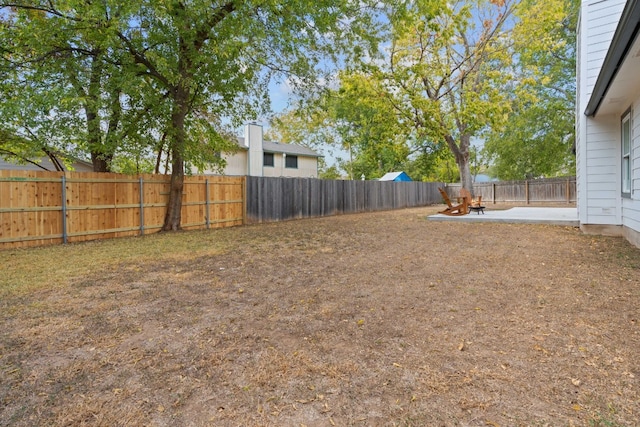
pixel 544 190
pixel 277 199
pixel 40 208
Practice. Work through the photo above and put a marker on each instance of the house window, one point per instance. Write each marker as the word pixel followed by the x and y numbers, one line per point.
pixel 268 159
pixel 626 154
pixel 291 162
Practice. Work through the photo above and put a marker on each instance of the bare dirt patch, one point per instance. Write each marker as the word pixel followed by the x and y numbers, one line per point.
pixel 359 320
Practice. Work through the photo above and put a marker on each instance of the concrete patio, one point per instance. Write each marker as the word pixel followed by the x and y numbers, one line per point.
pixel 523 215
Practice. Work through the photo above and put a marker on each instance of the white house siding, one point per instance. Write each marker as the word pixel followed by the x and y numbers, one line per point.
pixel 307 167
pixel 236 164
pixel 250 159
pixel 603 163
pixel 598 138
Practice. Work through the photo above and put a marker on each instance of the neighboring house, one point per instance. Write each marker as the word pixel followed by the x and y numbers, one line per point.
pixel 43 163
pixel 395 176
pixel 258 157
pixel 608 118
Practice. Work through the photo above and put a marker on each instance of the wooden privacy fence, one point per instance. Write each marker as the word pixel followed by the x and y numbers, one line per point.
pixel 39 208
pixel 276 199
pixel 545 190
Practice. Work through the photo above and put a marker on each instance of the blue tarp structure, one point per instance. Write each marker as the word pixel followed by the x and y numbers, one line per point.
pixel 396 176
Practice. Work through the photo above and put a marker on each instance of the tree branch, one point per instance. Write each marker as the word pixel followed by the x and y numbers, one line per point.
pixel 51 10
pixel 141 58
pixel 21 158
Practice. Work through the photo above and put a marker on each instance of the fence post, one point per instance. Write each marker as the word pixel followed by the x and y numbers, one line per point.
pixel 493 190
pixel 244 200
pixel 141 206
pixel 206 195
pixel 64 209
pixel 526 191
pixel 567 191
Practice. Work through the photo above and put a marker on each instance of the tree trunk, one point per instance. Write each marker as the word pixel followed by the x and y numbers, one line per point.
pixel 101 162
pixel 465 175
pixel 181 95
pixel 464 163
pixel 461 154
pixel 173 215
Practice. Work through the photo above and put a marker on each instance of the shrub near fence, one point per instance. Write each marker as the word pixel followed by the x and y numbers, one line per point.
pixel 276 199
pixel 544 190
pixel 39 208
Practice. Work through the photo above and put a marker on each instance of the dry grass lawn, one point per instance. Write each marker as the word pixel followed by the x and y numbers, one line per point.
pixel 377 319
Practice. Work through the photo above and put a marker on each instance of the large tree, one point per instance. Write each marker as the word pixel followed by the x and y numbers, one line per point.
pixel 538 137
pixel 442 72
pixel 205 56
pixel 60 87
pixel 197 62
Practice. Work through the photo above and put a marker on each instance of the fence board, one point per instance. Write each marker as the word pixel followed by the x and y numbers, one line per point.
pixel 277 199
pixel 547 190
pixel 102 205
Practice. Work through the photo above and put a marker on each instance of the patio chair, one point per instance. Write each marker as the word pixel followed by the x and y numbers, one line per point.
pixel 459 209
pixel 474 205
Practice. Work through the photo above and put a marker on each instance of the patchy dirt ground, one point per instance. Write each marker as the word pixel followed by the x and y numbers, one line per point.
pixel 379 319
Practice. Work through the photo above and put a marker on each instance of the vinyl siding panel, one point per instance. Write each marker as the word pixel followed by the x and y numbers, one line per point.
pixel 599 187
pixel 593 162
pixel 604 172
pixel 600 219
pixel 598 204
pixel 631 215
pixel 597 165
pixel 598 24
pixel 603 167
